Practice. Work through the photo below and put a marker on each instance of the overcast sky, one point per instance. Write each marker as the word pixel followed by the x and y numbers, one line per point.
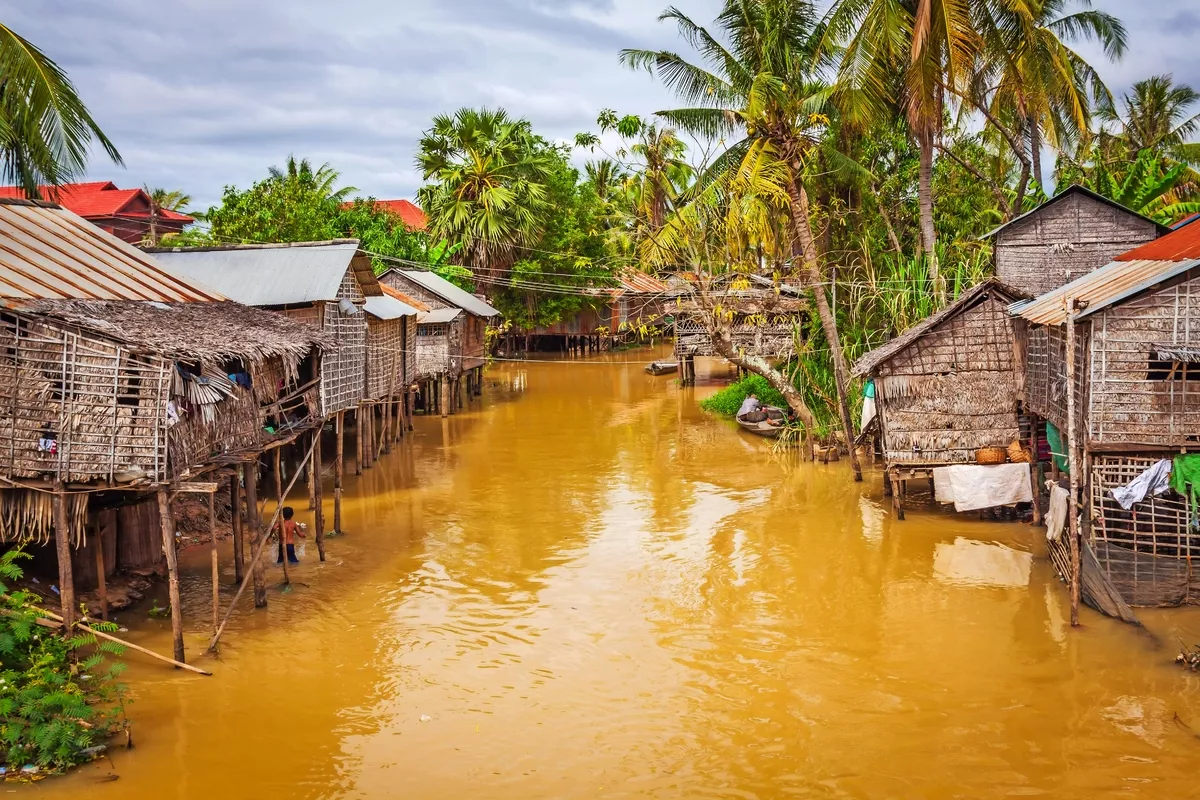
pixel 198 94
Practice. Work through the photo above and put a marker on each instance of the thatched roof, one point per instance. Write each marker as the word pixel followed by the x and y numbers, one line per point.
pixel 762 296
pixel 187 331
pixel 868 363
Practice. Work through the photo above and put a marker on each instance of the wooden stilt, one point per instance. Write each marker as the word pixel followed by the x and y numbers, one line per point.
pixel 62 545
pixel 408 409
pixel 102 587
pixel 444 391
pixel 359 425
pixel 235 510
pixel 1033 469
pixel 369 439
pixel 897 497
pixel 312 481
pixel 1075 464
pixel 319 515
pixel 279 498
pixel 338 466
pixel 216 572
pixel 167 524
pixel 256 534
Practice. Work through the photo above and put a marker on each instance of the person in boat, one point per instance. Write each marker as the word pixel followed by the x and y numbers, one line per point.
pixel 749 405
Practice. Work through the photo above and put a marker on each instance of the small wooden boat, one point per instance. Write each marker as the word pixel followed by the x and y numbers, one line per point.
pixel 768 422
pixel 662 367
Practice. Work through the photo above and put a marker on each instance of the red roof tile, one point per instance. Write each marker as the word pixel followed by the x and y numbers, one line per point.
pixel 1182 244
pixel 98 199
pixel 410 213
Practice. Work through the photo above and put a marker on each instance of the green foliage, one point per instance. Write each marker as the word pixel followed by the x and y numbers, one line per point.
pixel 58 695
pixel 727 401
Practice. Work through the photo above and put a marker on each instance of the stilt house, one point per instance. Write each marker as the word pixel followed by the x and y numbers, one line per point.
pixel 451 338
pixel 1068 236
pixel 120 377
pixel 391 350
pixel 637 307
pixel 947 387
pixel 1136 360
pixel 324 284
pixel 761 316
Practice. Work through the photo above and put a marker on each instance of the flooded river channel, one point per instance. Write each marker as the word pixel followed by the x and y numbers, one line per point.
pixel 585 587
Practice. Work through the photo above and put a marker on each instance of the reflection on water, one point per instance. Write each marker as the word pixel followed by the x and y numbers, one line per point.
pixel 585 587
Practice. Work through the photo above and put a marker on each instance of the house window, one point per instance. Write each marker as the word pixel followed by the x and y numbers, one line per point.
pixel 1160 370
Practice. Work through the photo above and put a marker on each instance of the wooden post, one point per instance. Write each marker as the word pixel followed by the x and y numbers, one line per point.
pixel 279 498
pixel 369 438
pixel 256 535
pixel 444 394
pixel 312 479
pixel 1075 464
pixel 62 544
pixel 102 588
pixel 216 574
pixel 338 466
pixel 319 516
pixel 167 524
pixel 359 426
pixel 408 408
pixel 1033 469
pixel 235 509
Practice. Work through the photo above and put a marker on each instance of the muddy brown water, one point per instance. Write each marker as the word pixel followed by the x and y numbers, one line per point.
pixel 586 587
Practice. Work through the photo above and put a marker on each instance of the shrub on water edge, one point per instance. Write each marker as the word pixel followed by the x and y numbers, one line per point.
pixel 727 401
pixel 56 701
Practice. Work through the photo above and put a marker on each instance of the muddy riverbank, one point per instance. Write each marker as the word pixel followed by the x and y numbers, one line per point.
pixel 586 587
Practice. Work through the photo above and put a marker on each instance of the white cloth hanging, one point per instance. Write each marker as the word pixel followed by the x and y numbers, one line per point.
pixel 1150 483
pixel 1056 517
pixel 972 487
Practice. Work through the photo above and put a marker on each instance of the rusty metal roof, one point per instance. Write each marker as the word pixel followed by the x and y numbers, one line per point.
pixel 49 253
pixel 641 283
pixel 1107 286
pixel 1182 244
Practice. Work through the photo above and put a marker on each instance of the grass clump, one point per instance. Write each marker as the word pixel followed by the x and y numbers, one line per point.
pixel 727 401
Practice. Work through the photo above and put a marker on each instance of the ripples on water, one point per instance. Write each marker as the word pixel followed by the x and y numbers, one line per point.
pixel 588 588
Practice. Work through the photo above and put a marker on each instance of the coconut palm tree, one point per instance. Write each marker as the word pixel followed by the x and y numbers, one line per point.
pixel 486 187
pixel 46 130
pixel 163 200
pixel 322 181
pixel 911 54
pixel 761 90
pixel 664 173
pixel 1155 115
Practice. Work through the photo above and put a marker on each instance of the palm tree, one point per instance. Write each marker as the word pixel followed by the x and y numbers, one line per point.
pixel 761 88
pixel 486 176
pixel 322 181
pixel 45 129
pixel 1031 73
pixel 1156 115
pixel 909 53
pixel 664 173
pixel 163 200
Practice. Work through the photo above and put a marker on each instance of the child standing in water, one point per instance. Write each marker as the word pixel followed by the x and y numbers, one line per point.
pixel 290 530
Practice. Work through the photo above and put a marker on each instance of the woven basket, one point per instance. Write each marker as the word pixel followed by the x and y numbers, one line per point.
pixel 991 455
pixel 1018 454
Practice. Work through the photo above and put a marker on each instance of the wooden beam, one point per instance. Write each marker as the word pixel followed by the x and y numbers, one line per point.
pixel 62 544
pixel 1075 464
pixel 279 498
pixel 259 569
pixel 319 516
pixel 235 510
pixel 196 487
pixel 102 581
pixel 359 427
pixel 166 519
pixel 339 465
pixel 216 572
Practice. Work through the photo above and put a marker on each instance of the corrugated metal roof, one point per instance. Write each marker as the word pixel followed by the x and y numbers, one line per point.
pixel 449 292
pixel 1182 244
pixel 49 253
pixel 275 274
pixel 387 307
pixel 1067 192
pixel 438 316
pixel 641 283
pixel 1111 284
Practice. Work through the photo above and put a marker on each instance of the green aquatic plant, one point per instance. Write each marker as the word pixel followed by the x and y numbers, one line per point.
pixel 727 401
pixel 59 695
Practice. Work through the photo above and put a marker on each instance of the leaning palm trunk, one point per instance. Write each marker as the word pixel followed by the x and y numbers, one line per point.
pixel 925 201
pixel 811 272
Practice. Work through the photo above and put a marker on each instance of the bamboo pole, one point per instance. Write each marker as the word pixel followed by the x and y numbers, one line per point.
pixel 257 552
pixel 1074 462
pixel 258 571
pixel 279 497
pixel 1033 469
pixel 216 572
pixel 319 514
pixel 444 400
pixel 102 588
pixel 62 544
pixel 359 425
pixel 235 510
pixel 165 521
pixel 339 465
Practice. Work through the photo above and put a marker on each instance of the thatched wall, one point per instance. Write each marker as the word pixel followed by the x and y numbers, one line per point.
pixel 434 349
pixel 1046 372
pixel 953 390
pixel 385 359
pixel 344 366
pixel 1135 397
pixel 410 350
pixel 1065 240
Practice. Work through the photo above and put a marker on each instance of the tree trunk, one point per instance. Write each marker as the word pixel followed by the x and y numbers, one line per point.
pixel 925 198
pixel 802 228
pixel 1035 152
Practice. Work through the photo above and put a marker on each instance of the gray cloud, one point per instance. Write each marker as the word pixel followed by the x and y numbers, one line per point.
pixel 199 94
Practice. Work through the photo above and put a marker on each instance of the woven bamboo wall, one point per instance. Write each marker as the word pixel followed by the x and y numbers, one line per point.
pixel 235 425
pixel 344 368
pixel 104 405
pixel 410 351
pixel 433 351
pixel 772 340
pixel 1046 372
pixel 385 340
pixel 1129 405
pixel 951 391
pixel 471 330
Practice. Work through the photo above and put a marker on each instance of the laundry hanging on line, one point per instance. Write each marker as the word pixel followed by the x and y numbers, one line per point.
pixel 1151 483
